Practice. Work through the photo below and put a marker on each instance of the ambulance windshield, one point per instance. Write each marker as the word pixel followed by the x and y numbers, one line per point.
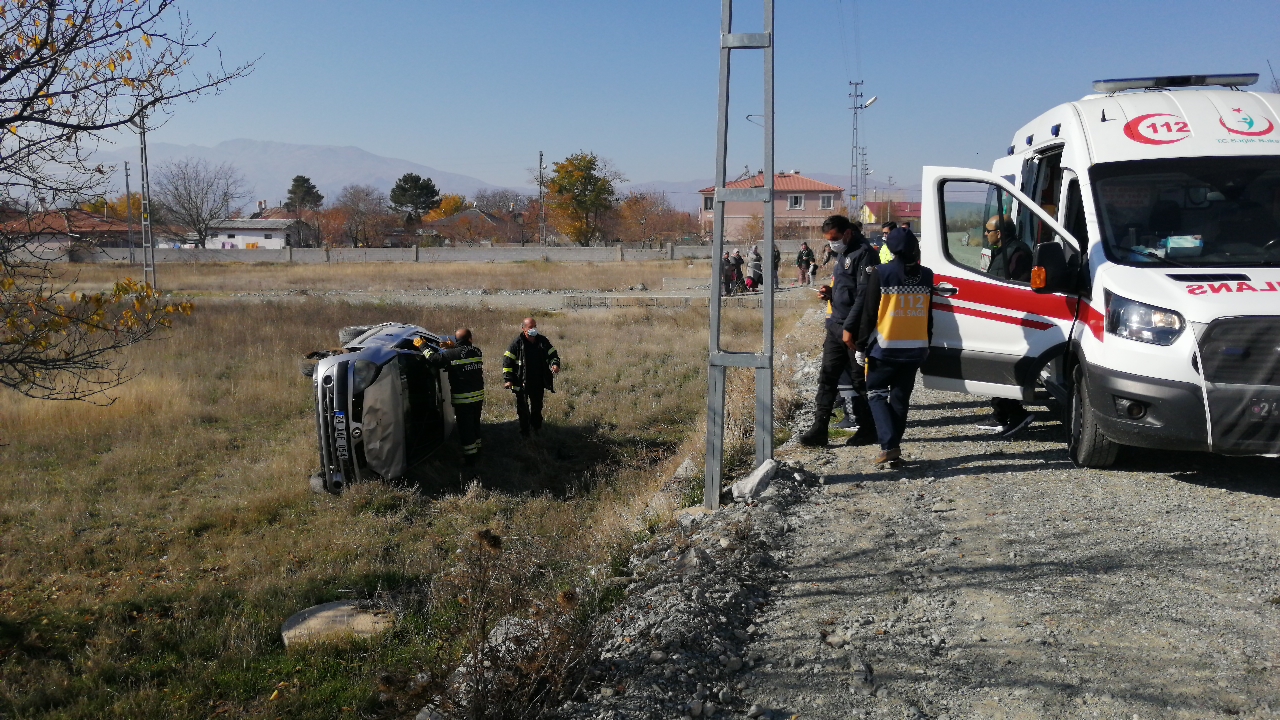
pixel 1193 212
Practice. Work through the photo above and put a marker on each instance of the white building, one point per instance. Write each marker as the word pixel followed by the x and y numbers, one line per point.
pixel 259 234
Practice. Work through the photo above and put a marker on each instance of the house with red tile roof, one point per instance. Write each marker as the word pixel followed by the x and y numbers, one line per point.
pixel 800 206
pixel 875 213
pixel 67 227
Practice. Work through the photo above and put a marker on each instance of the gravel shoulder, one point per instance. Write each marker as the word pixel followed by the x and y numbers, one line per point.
pixel 983 579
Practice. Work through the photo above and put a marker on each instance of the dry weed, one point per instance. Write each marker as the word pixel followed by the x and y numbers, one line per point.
pixel 149 550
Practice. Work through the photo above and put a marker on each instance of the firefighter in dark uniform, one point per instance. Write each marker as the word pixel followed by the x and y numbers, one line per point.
pixel 528 368
pixel 854 257
pixel 465 365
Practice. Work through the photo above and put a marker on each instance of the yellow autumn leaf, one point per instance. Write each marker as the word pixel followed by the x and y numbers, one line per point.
pixel 147 39
pixel 49 100
pixel 71 21
pixel 118 25
pixel 111 65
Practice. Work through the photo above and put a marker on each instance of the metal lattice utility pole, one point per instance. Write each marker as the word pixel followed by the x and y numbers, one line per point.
pixel 128 210
pixel 148 240
pixel 719 361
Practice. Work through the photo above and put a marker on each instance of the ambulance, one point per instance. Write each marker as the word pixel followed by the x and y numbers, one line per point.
pixel 1143 301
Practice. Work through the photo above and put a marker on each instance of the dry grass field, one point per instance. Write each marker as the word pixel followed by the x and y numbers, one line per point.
pixel 202 278
pixel 150 549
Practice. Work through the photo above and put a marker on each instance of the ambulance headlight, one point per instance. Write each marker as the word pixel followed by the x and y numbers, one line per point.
pixel 1145 323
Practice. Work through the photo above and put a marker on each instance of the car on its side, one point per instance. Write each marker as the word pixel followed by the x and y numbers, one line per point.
pixel 380 408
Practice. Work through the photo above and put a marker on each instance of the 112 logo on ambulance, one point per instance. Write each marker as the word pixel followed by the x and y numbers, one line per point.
pixel 1157 129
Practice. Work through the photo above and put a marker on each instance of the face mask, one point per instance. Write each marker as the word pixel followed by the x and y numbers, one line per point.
pixel 838 247
pixel 532 332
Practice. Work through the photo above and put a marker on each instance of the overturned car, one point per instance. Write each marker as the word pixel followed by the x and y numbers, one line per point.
pixel 380 408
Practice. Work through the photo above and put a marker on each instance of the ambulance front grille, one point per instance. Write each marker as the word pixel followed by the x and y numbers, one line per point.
pixel 1242 351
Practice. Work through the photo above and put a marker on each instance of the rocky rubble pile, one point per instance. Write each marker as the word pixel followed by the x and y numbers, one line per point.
pixel 675 646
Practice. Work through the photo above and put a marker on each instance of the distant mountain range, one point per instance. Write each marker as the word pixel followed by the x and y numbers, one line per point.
pixel 269 167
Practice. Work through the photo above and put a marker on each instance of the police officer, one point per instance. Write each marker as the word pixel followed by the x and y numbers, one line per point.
pixel 465 365
pixel 854 258
pixel 528 368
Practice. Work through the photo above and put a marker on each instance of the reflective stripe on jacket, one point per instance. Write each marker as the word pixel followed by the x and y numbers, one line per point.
pixel 465 366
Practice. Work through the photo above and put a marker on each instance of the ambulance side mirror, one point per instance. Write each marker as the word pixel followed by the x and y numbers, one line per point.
pixel 1051 271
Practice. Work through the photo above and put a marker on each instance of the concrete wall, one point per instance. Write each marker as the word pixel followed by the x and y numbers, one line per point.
pixel 532 253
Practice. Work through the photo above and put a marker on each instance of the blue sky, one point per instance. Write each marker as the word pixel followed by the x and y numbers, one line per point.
pixel 480 87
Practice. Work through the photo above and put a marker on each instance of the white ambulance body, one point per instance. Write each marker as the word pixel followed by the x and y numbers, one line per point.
pixel 1153 216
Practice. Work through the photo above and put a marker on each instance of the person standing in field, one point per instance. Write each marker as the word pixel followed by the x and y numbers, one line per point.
pixel 893 337
pixel 854 259
pixel 726 273
pixel 464 364
pixel 804 261
pixel 777 263
pixel 529 367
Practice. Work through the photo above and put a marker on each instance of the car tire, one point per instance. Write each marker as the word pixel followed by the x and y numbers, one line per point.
pixel 1088 446
pixel 347 334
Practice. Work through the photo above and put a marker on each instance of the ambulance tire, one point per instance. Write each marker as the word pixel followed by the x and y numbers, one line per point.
pixel 1089 448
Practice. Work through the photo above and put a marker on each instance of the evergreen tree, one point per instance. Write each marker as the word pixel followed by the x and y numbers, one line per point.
pixel 414 196
pixel 303 195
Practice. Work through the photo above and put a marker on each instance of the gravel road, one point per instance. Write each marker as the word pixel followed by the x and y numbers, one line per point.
pixel 984 579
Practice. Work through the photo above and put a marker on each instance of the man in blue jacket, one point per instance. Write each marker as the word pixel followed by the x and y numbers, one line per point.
pixel 854 259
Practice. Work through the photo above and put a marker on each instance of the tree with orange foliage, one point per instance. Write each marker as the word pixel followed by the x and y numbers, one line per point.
pixel 449 205
pixel 116 209
pixel 580 193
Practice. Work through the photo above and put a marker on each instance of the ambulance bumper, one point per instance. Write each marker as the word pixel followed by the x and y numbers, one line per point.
pixel 1172 413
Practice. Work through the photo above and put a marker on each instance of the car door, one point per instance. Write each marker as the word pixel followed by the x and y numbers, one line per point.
pixel 992 332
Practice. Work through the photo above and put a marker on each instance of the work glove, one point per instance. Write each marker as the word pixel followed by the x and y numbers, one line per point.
pixel 859 358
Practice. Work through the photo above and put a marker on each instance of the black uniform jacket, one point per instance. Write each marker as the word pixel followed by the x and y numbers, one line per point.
pixel 848 290
pixel 465 365
pixel 528 361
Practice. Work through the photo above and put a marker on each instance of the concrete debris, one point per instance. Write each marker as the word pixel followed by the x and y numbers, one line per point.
pixel 754 484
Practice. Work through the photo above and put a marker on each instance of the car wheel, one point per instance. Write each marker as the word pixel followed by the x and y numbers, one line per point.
pixel 347 334
pixel 1089 447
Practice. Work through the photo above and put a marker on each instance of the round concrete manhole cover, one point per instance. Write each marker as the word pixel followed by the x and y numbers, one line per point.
pixel 332 621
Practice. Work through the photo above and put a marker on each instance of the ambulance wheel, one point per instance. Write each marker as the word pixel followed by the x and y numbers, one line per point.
pixel 1088 446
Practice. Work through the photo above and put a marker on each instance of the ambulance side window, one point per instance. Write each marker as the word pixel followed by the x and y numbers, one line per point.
pixel 1044 187
pixel 978 219
pixel 1072 218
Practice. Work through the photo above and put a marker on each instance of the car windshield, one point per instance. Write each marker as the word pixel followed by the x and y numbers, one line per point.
pixel 1193 212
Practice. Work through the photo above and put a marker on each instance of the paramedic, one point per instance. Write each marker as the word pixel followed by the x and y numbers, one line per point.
pixel 893 337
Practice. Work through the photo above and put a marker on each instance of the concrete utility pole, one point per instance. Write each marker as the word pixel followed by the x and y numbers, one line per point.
pixel 542 209
pixel 128 210
pixel 720 361
pixel 148 240
pixel 858 154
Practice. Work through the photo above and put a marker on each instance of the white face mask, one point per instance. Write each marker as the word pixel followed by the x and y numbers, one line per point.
pixel 532 332
pixel 837 247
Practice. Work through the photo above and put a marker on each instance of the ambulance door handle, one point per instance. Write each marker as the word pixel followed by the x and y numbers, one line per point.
pixel 944 289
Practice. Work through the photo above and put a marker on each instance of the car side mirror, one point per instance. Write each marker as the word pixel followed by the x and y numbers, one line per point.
pixel 1051 271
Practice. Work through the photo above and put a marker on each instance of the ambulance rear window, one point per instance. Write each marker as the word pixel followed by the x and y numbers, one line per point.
pixel 1190 212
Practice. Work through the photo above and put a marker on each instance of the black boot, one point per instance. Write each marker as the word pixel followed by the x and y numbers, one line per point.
pixel 816 436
